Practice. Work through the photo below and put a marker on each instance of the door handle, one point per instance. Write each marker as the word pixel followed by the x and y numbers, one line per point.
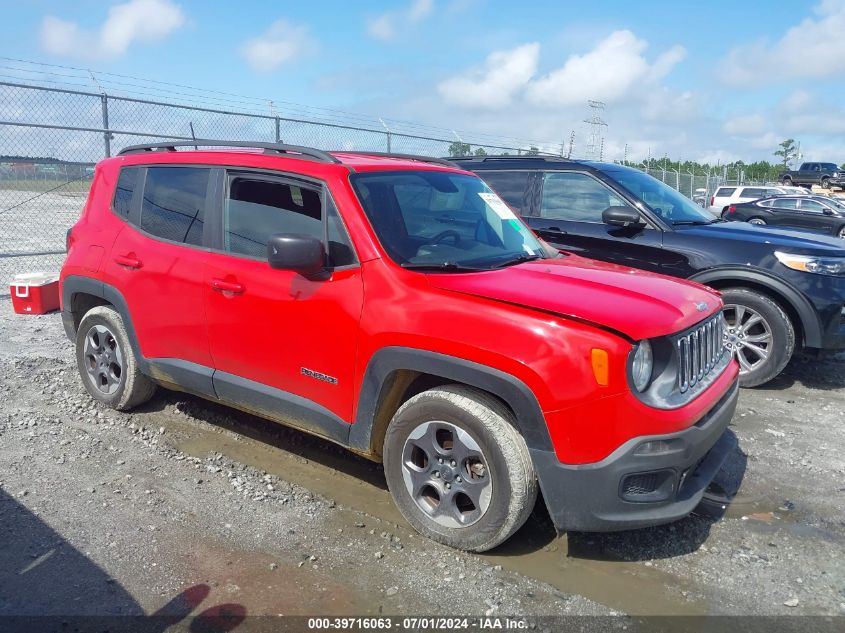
pixel 221 285
pixel 554 229
pixel 128 261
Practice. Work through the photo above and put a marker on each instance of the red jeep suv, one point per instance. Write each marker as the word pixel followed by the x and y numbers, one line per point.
pixel 395 305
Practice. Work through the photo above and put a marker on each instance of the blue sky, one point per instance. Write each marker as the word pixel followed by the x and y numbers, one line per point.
pixel 720 81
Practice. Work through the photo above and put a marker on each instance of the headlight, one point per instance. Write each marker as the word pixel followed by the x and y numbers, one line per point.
pixel 642 365
pixel 811 264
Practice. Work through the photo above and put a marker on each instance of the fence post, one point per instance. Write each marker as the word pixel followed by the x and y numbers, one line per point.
pixel 104 101
pixel 278 131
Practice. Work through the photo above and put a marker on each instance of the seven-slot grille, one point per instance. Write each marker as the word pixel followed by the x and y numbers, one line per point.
pixel 699 351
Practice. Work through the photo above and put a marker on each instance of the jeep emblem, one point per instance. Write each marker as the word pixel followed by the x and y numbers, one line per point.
pixel 701 307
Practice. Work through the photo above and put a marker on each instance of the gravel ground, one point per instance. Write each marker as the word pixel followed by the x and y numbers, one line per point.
pixel 184 502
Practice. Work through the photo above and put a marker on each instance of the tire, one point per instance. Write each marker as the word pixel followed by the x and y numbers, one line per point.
pixel 757 221
pixel 841 232
pixel 825 183
pixel 106 362
pixel 786 182
pixel 773 333
pixel 439 506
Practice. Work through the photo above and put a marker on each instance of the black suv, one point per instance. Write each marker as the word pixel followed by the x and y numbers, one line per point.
pixel 783 290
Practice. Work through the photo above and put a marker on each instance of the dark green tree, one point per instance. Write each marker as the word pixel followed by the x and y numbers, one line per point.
pixel 788 150
pixel 479 151
pixel 459 148
pixel 533 151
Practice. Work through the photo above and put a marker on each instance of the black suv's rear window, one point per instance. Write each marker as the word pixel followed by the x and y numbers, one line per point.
pixel 174 203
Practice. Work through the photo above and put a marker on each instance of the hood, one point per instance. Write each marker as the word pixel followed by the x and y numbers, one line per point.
pixel 636 303
pixel 794 241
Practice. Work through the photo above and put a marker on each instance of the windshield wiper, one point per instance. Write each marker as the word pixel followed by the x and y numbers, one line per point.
pixel 519 259
pixel 693 222
pixel 451 267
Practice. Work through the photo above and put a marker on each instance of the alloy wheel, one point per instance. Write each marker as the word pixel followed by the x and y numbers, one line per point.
pixel 842 232
pixel 103 359
pixel 748 337
pixel 757 221
pixel 445 473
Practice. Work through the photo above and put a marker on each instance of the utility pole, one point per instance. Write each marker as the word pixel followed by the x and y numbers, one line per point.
pixel 571 144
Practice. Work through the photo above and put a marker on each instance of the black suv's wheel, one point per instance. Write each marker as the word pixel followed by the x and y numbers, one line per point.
pixel 787 182
pixel 458 469
pixel 825 183
pixel 760 335
pixel 106 362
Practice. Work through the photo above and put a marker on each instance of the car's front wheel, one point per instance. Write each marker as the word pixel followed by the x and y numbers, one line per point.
pixel 825 183
pixel 106 362
pixel 458 469
pixel 759 335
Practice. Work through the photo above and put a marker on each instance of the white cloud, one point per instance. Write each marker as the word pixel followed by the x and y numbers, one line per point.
pixel 278 45
pixel 812 49
pixel 385 26
pixel 745 125
pixel 127 23
pixel 607 73
pixel 494 85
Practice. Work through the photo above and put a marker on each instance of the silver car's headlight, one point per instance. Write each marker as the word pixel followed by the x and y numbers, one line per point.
pixel 642 365
pixel 812 264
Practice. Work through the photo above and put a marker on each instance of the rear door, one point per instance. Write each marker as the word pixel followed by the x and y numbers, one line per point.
pixel 721 199
pixel 570 218
pixel 272 328
pixel 157 261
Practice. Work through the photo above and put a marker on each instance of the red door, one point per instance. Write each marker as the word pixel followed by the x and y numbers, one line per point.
pixel 275 327
pixel 158 264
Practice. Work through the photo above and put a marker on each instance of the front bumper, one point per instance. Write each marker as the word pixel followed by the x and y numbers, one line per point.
pixel 597 497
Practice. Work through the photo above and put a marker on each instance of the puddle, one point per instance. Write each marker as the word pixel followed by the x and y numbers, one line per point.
pixel 353 482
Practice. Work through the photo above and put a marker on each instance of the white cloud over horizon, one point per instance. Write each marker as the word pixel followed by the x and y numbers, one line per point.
pixel 812 49
pixel 385 27
pixel 281 43
pixel 125 24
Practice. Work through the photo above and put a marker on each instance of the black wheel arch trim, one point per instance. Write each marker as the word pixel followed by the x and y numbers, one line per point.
pixel 77 284
pixel 810 324
pixel 529 417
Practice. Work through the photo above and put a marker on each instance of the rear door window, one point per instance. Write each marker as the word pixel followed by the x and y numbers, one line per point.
pixel 576 197
pixel 173 207
pixel 725 192
pixel 786 203
pixel 753 192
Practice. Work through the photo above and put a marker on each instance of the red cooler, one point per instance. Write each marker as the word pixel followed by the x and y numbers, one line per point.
pixel 35 293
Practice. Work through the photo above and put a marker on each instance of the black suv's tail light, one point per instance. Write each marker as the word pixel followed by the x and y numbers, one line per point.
pixel 732 209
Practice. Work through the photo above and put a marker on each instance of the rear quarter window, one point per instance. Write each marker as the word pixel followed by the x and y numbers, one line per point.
pixel 725 192
pixel 125 189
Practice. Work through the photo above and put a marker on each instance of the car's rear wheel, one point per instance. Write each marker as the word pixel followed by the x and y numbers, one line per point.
pixel 106 362
pixel 758 221
pixel 786 182
pixel 759 335
pixel 842 232
pixel 458 469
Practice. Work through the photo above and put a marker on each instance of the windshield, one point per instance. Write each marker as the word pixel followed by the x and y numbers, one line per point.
pixel 672 206
pixel 442 220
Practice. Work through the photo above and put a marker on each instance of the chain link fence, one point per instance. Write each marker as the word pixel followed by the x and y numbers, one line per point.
pixel 51 138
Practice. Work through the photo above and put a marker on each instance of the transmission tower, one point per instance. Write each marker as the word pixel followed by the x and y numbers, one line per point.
pixel 595 140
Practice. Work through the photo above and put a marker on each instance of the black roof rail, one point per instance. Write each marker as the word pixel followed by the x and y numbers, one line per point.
pixel 308 153
pixel 423 159
pixel 515 157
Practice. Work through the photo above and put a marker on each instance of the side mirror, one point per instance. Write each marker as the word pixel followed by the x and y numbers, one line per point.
pixel 827 211
pixel 294 251
pixel 621 216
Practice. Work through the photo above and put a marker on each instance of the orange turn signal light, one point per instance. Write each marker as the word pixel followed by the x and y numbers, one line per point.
pixel 601 366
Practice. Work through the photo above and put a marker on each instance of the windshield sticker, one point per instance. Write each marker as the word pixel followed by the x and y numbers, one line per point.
pixel 498 205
